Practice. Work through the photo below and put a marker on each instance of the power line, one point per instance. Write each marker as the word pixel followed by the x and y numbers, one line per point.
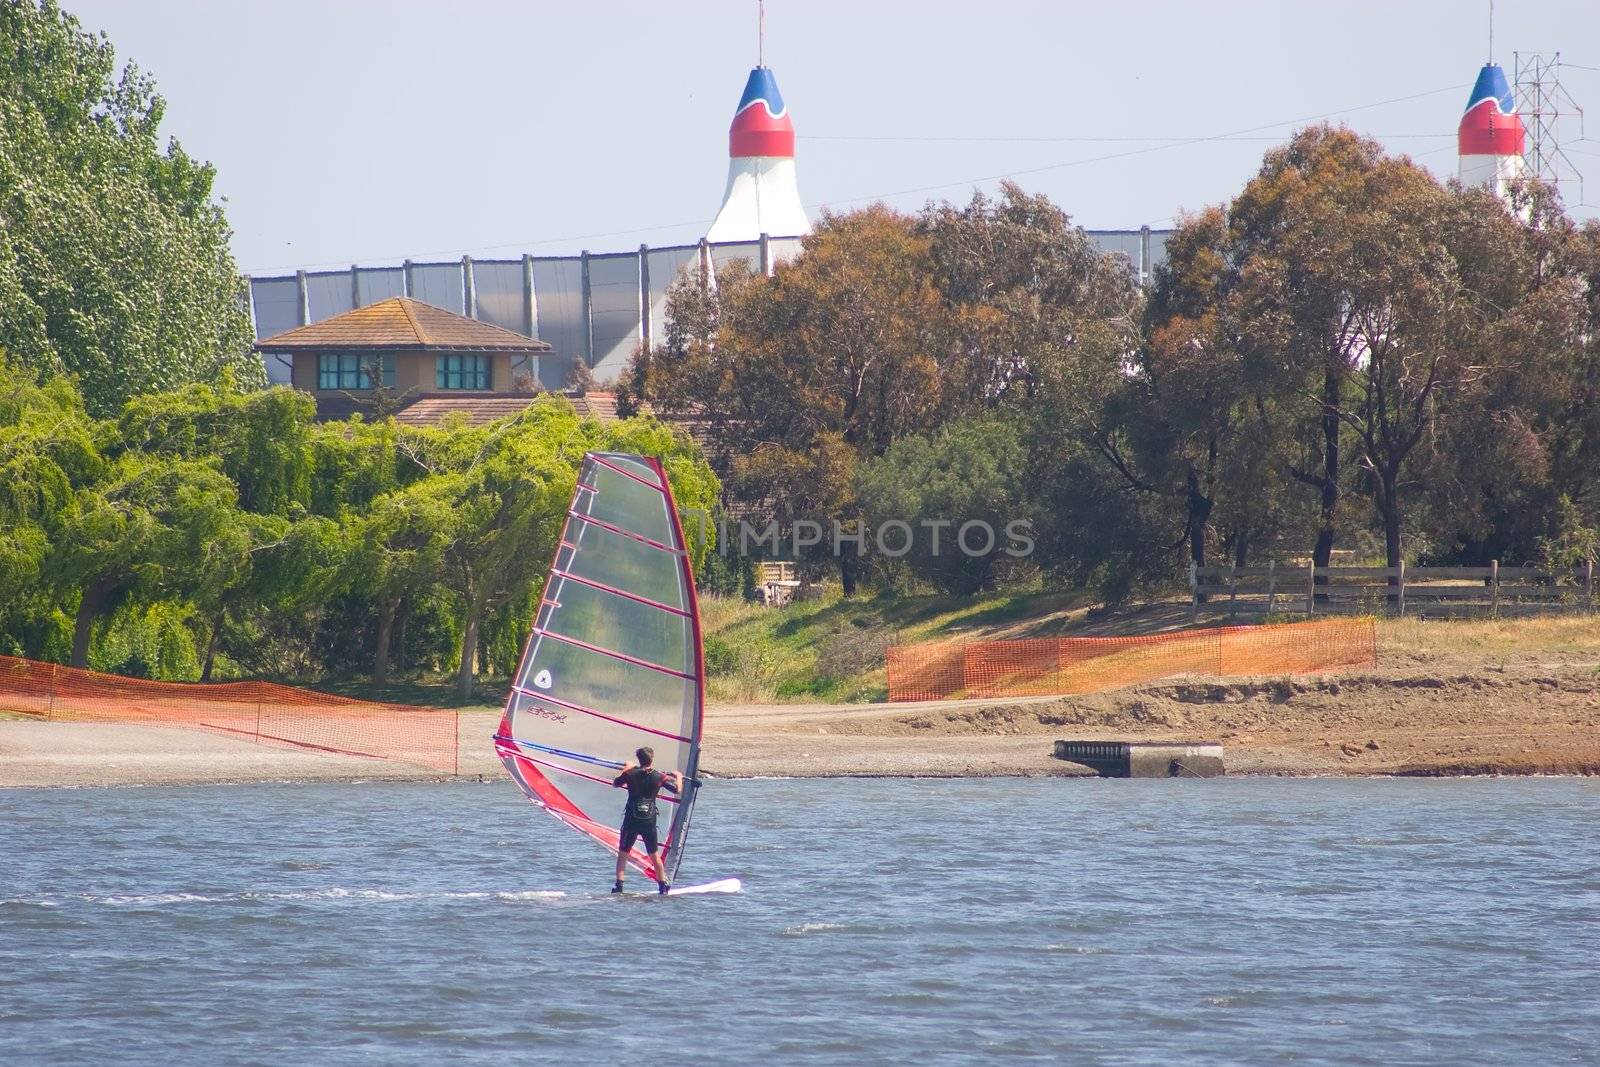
pixel 1456 87
pixel 1177 143
pixel 956 139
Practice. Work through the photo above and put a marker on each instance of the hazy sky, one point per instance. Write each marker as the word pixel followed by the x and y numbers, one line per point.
pixel 358 131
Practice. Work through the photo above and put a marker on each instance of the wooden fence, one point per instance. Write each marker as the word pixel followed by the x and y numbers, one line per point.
pixel 1431 591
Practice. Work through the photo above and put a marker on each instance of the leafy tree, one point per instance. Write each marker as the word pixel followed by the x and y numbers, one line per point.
pixel 48 449
pixel 1031 303
pixel 496 496
pixel 1042 329
pixel 150 527
pixel 1352 281
pixel 114 261
pixel 261 439
pixel 399 550
pixel 1291 235
pixel 967 471
pixel 801 376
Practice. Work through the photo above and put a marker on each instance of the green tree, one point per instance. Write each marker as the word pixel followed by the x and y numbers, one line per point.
pixel 150 527
pixel 969 471
pixel 114 261
pixel 260 438
pixel 49 447
pixel 399 548
pixel 1030 302
pixel 496 496
pixel 801 376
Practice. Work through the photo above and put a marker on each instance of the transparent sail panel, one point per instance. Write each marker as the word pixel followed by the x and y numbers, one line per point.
pixel 625 504
pixel 624 562
pixel 615 621
pixel 613 661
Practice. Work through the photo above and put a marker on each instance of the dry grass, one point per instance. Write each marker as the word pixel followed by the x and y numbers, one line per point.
pixel 1567 633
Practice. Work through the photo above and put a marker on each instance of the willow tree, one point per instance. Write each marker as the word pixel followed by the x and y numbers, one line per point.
pixel 49 449
pixel 152 526
pixel 492 505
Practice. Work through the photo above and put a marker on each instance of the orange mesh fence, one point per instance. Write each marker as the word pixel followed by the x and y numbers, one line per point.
pixel 257 711
pixel 941 670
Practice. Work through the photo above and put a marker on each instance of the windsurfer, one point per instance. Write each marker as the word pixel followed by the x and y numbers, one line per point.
pixel 643 783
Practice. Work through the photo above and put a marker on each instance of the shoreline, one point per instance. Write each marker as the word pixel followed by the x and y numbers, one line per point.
pixel 1418 715
pixel 1438 773
pixel 784 742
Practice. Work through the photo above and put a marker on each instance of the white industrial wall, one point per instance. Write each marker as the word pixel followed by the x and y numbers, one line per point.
pixel 598 307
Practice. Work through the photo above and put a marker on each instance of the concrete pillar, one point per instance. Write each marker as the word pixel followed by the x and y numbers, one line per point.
pixel 305 297
pixel 355 286
pixel 766 256
pixel 407 284
pixel 469 289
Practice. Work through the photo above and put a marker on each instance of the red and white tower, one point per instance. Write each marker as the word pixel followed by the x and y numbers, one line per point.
pixel 762 196
pixel 1490 138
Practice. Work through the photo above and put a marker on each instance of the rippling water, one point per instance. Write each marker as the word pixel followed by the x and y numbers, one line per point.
pixel 1257 921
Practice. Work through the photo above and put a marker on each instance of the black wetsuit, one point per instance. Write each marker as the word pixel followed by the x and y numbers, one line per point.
pixel 643 784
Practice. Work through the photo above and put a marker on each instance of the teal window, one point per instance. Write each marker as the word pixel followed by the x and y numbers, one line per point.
pixel 351 371
pixel 461 372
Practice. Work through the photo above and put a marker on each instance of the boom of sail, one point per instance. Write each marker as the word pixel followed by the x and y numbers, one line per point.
pixel 614 660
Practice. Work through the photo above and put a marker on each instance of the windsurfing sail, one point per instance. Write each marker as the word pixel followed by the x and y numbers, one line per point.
pixel 614 660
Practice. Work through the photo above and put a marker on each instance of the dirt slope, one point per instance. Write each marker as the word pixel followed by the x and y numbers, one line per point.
pixel 1420 713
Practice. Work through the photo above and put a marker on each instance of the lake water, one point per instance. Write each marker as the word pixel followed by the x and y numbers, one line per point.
pixel 1240 921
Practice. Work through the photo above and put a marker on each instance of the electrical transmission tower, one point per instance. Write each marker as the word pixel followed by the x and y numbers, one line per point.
pixel 1548 113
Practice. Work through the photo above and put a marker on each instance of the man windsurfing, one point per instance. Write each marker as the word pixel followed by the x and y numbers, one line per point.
pixel 643 783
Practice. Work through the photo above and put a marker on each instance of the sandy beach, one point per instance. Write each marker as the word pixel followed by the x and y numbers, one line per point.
pixel 1524 713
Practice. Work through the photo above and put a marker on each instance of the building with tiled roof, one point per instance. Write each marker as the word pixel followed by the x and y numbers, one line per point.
pixel 406 351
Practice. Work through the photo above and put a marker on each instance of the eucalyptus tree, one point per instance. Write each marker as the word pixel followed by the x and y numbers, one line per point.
pixel 802 376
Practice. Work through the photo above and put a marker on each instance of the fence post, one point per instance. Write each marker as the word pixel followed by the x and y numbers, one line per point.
pixel 50 713
pixel 1588 586
pixel 1194 592
pixel 1233 590
pixel 1494 588
pixel 1311 588
pixel 258 722
pixel 458 743
pixel 1402 595
pixel 1272 584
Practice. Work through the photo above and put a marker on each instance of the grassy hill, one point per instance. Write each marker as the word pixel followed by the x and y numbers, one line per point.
pixel 830 649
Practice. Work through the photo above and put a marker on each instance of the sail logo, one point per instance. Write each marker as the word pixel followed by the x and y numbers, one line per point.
pixel 543 679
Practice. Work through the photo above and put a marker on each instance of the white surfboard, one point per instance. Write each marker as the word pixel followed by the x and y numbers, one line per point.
pixel 725 885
